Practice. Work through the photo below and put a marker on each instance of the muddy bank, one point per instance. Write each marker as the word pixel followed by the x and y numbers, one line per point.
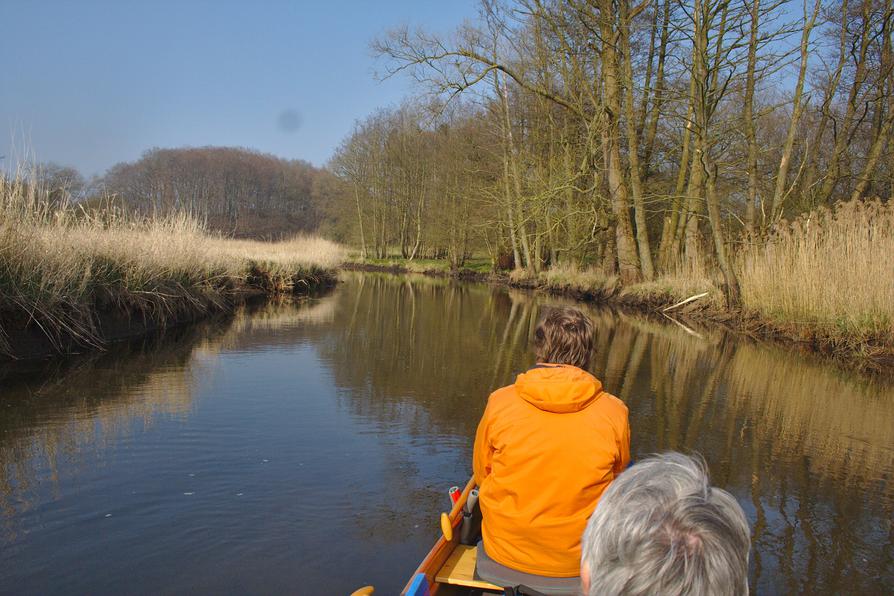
pixel 871 354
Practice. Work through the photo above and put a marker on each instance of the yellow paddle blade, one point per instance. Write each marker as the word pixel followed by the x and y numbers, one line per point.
pixel 446 527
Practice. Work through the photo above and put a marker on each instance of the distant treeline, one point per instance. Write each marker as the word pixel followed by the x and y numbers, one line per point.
pixel 238 192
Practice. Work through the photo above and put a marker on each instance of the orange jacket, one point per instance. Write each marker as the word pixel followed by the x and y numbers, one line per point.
pixel 545 450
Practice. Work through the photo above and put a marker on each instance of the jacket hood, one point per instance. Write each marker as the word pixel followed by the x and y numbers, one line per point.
pixel 558 388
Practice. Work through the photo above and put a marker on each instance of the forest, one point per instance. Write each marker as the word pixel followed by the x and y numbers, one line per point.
pixel 642 139
pixel 237 192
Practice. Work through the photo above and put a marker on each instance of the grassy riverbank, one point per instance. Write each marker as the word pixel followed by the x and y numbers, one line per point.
pixel 62 269
pixel 825 281
pixel 435 267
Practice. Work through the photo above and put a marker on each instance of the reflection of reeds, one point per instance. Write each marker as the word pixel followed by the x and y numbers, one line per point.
pixel 106 397
pixel 842 424
pixel 809 445
pixel 700 388
pixel 98 401
pixel 258 323
pixel 801 441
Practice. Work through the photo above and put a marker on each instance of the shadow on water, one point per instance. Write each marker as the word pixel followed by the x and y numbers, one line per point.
pixel 369 399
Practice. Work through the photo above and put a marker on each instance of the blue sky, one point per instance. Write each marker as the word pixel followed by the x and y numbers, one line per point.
pixel 92 83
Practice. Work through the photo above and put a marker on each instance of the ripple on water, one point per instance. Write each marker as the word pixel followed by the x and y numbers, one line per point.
pixel 312 445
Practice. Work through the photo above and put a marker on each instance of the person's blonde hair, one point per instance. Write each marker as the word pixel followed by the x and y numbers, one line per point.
pixel 565 335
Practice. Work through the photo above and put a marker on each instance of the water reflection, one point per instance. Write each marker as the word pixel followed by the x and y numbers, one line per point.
pixel 54 413
pixel 49 420
pixel 407 363
pixel 807 449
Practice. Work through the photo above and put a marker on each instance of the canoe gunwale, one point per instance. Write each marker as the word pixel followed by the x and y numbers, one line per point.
pixel 442 548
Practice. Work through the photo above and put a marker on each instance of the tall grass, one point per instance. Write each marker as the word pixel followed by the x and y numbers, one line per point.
pixel 594 283
pixel 687 279
pixel 832 269
pixel 828 275
pixel 61 265
pixel 589 280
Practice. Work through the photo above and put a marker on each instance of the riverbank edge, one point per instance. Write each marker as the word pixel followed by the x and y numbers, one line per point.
pixel 873 354
pixel 111 321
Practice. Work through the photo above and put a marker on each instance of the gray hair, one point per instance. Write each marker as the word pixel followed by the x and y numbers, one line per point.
pixel 660 528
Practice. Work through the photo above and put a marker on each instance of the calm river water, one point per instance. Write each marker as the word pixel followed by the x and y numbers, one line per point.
pixel 307 447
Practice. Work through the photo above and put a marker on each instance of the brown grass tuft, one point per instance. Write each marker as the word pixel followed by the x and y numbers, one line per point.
pixel 832 270
pixel 60 265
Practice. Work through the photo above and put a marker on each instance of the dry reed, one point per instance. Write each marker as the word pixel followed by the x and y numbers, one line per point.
pixel 686 280
pixel 60 265
pixel 568 279
pixel 831 270
pixel 592 282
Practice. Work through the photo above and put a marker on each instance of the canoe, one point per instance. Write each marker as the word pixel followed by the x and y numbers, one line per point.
pixel 449 562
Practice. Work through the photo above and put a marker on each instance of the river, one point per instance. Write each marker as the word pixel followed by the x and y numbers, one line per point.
pixel 307 446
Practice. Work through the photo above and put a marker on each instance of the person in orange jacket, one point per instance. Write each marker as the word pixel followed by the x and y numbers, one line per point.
pixel 546 449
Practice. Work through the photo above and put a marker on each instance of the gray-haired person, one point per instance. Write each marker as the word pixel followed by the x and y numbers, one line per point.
pixel 661 528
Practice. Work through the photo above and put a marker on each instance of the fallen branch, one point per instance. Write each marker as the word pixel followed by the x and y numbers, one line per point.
pixel 687 301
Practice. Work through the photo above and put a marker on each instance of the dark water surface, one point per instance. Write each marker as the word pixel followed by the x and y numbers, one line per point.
pixel 307 447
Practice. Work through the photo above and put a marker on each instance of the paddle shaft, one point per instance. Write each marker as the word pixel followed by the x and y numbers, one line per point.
pixel 448 520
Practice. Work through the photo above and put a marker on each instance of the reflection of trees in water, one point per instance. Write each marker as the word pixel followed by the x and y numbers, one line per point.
pixel 399 344
pixel 825 444
pixel 810 447
pixel 440 343
pixel 805 447
pixel 278 321
pixel 417 357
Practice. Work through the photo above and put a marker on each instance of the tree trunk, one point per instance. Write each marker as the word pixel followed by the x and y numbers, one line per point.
pixel 507 187
pixel 360 223
pixel 713 205
pixel 628 261
pixel 797 109
pixel 657 101
pixel 639 208
pixel 748 121
pixel 670 244
pixel 875 153
pixel 885 121
pixel 513 169
pixel 420 209
pixel 693 203
pixel 832 171
pixel 647 81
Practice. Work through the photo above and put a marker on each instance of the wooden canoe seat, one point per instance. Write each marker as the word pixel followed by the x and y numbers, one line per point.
pixel 459 570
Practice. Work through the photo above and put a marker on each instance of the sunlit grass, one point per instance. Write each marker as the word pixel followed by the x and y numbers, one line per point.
pixel 831 269
pixel 422 265
pixel 59 264
pixel 566 277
